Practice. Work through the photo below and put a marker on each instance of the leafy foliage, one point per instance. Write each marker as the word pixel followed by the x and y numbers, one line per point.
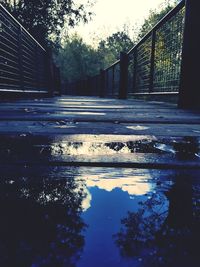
pixel 164 230
pixel 110 48
pixel 45 18
pixel 41 222
pixel 155 16
pixel 77 60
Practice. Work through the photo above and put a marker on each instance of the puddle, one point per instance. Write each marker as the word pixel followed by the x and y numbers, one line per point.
pixel 116 217
pixel 137 128
pixel 28 147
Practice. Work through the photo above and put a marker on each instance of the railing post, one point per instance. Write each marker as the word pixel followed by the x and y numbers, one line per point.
pixel 135 71
pixel 102 83
pixel 20 61
pixel 113 81
pixel 123 85
pixel 50 72
pixel 58 80
pixel 87 91
pixel 189 94
pixel 96 93
pixel 37 75
pixel 152 61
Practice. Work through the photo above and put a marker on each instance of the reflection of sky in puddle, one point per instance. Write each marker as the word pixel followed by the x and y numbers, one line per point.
pixel 186 148
pixel 95 148
pixel 133 185
pixel 137 128
pixel 109 196
pixel 103 219
pixel 84 113
pixel 86 148
pixel 64 126
pixel 50 207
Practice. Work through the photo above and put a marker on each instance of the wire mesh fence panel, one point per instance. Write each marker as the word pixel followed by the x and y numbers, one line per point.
pixel 92 89
pixel 116 79
pixel 110 82
pixel 168 48
pixel 98 85
pixel 96 88
pixel 9 60
pixel 24 63
pixel 42 71
pixel 131 73
pixel 143 66
pixel 34 67
pixel 152 66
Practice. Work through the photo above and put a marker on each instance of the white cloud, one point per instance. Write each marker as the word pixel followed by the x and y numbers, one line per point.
pixel 131 185
pixel 134 185
pixel 86 203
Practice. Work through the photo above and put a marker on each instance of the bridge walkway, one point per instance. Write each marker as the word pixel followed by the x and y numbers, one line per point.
pixel 93 131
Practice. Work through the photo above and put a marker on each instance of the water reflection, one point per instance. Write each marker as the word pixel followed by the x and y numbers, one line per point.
pixel 42 148
pixel 131 185
pixel 130 181
pixel 85 217
pixel 164 235
pixel 40 222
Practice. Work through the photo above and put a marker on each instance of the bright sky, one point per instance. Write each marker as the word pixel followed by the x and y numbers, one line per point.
pixel 111 15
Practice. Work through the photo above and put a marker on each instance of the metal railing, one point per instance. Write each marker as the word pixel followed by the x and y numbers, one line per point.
pixel 151 67
pixel 25 66
pixel 155 62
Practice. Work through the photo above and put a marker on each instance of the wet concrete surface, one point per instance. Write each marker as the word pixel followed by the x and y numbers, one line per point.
pixel 61 127
pixel 98 182
pixel 86 115
pixel 85 130
pixel 103 150
pixel 88 109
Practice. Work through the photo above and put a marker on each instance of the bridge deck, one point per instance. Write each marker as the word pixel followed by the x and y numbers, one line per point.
pixel 102 123
pixel 87 115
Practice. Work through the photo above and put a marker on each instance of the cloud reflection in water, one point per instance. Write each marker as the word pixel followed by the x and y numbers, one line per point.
pixel 134 185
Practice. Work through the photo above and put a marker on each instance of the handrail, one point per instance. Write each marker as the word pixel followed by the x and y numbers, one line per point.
pixel 25 65
pixel 113 65
pixel 22 27
pixel 168 16
pixel 152 66
pixel 124 65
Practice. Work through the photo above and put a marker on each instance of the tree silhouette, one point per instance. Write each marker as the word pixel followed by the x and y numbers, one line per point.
pixel 165 229
pixel 40 222
pixel 43 18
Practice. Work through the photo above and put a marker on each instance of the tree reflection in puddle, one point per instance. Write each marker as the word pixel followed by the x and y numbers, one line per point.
pixel 85 217
pixel 40 223
pixel 160 236
pixel 114 192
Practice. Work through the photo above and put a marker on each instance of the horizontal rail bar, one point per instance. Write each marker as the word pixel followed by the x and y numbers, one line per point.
pixel 113 65
pixel 168 16
pixel 156 93
pixel 23 28
pixel 23 91
pixel 24 63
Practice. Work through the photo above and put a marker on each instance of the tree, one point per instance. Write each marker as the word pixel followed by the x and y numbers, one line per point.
pixel 164 234
pixel 41 221
pixel 110 48
pixel 77 60
pixel 155 16
pixel 46 18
